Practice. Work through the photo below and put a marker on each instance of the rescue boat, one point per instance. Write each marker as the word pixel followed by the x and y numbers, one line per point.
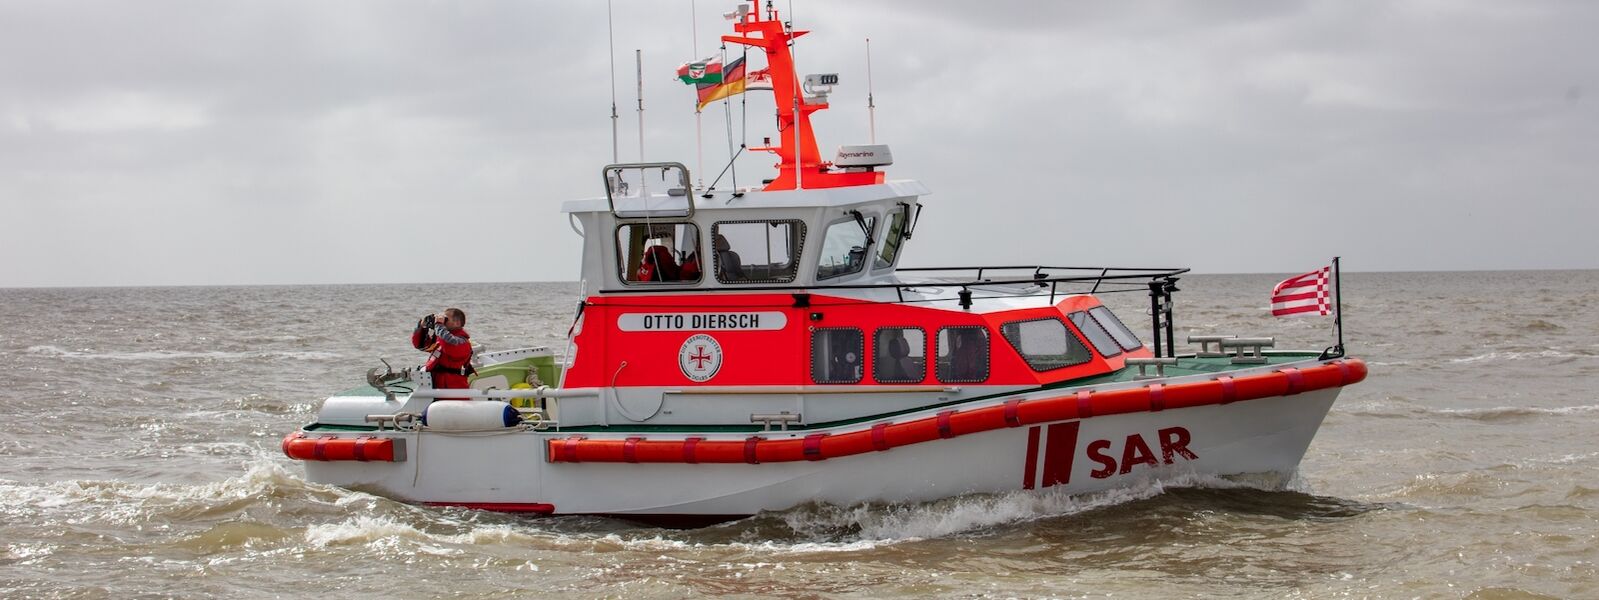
pixel 749 350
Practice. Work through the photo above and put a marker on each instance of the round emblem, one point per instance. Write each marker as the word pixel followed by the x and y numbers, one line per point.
pixel 700 357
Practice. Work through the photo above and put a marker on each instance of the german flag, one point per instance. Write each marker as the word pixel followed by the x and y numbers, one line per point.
pixel 732 84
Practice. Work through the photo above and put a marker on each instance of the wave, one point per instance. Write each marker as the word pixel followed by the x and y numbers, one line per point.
pixel 1507 356
pixel 871 523
pixel 1508 412
pixel 809 529
pixel 1495 413
pixel 158 355
pixel 129 503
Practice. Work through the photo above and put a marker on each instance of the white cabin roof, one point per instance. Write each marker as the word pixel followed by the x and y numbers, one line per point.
pixel 812 198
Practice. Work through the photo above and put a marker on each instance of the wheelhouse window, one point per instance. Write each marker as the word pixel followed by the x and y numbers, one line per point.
pixel 1045 343
pixel 837 355
pixel 756 251
pixel 962 354
pixel 899 355
pixel 1124 336
pixel 892 238
pixel 844 247
pixel 1097 335
pixel 658 253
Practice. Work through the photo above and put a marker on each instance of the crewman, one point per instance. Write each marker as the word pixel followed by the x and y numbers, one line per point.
pixel 449 347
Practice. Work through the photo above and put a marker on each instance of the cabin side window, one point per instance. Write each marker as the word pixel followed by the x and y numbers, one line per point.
pixel 899 355
pixel 756 251
pixel 1124 336
pixel 962 354
pixel 1097 335
pixel 837 355
pixel 844 247
pixel 656 253
pixel 892 238
pixel 1045 343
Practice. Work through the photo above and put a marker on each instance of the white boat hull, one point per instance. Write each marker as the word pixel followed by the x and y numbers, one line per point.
pixel 1268 435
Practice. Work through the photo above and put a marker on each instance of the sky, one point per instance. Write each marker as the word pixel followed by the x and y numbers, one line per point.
pixel 224 142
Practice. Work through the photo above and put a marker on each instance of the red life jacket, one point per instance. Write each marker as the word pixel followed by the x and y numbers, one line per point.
pixel 658 265
pixel 452 357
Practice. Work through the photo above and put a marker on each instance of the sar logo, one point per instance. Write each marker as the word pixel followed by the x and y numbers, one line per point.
pixel 700 357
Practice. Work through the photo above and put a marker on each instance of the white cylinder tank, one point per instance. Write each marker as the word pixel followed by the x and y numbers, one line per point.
pixel 470 415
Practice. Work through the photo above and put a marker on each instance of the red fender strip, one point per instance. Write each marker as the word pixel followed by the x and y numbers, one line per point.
pixel 688 449
pixel 365 448
pixel 570 448
pixel 1012 418
pixel 506 507
pixel 880 437
pixel 1296 381
pixel 630 449
pixel 885 436
pixel 749 449
pixel 813 446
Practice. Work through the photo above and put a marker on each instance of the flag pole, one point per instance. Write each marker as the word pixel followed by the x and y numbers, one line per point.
pixel 1338 303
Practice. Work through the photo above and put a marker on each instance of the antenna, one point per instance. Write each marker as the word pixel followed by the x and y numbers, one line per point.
pixel 610 30
pixel 638 57
pixel 799 156
pixel 699 140
pixel 871 107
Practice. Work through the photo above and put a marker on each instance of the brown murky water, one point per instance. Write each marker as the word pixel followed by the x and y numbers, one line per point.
pixel 140 458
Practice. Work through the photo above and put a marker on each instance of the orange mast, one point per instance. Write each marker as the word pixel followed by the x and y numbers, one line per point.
pixel 792 154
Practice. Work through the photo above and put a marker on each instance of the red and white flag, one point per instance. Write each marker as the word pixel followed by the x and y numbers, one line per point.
pixel 1305 295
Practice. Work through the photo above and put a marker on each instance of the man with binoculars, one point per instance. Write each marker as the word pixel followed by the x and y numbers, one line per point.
pixel 449 347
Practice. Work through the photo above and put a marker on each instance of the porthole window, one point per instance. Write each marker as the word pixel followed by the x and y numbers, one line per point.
pixel 658 253
pixel 756 251
pixel 1045 344
pixel 837 355
pixel 1124 336
pixel 899 355
pixel 1097 335
pixel 963 354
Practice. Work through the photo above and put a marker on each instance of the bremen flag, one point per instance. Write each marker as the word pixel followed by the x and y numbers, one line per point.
pixel 729 82
pixel 1305 295
pixel 704 71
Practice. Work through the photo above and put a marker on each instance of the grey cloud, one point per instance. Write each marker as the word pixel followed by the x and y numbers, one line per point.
pixel 233 142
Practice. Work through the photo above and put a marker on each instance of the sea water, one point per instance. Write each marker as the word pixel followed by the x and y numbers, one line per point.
pixel 139 457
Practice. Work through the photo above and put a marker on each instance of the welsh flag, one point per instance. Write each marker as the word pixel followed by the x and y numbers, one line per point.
pixel 1305 295
pixel 703 71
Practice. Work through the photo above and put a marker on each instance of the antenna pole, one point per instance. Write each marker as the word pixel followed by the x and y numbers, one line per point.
pixel 638 57
pixel 799 152
pixel 610 29
pixel 871 106
pixel 699 139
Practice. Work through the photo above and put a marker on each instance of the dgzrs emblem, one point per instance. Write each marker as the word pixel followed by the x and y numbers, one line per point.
pixel 700 358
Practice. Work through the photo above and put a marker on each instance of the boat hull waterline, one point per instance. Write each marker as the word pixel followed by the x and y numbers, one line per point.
pixel 1248 422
